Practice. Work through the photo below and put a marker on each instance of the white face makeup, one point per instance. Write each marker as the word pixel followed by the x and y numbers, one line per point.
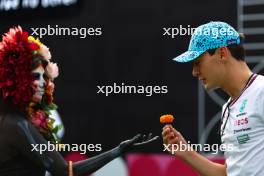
pixel 39 83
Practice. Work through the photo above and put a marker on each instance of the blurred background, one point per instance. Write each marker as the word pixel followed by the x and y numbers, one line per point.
pixel 133 49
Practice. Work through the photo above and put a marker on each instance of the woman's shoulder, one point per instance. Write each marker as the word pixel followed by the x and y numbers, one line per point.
pixel 13 121
pixel 14 129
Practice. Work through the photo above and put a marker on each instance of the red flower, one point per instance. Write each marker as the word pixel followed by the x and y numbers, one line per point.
pixel 39 119
pixel 16 58
pixel 49 92
pixel 33 46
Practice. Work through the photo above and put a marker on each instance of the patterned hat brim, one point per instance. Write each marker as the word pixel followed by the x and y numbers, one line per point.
pixel 188 56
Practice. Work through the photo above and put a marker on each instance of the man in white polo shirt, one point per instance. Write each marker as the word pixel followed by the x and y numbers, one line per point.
pixel 217 54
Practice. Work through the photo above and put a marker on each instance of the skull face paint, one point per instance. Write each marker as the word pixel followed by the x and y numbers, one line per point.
pixel 39 83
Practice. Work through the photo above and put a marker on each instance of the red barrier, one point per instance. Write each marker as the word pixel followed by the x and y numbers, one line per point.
pixel 160 165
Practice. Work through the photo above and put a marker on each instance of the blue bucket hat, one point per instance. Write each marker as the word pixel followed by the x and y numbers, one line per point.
pixel 211 35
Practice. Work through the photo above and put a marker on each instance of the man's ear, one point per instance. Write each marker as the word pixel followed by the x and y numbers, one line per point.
pixel 224 52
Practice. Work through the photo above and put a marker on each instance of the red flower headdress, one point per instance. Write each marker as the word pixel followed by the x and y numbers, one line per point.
pixel 18 53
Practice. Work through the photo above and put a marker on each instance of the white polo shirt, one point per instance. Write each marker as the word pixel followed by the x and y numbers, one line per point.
pixel 244 130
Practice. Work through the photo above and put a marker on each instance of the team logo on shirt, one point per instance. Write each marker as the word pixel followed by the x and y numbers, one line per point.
pixel 242 130
pixel 243 105
pixel 242 112
pixel 242 139
pixel 242 123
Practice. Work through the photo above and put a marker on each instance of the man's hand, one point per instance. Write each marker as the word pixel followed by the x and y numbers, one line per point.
pixel 175 141
pixel 136 142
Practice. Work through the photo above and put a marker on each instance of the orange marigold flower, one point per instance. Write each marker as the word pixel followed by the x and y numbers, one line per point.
pixel 166 118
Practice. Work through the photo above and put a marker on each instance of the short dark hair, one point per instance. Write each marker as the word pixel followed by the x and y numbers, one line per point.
pixel 237 51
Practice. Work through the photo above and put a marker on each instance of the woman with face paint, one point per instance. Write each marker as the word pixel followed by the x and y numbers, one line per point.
pixel 39 82
pixel 26 88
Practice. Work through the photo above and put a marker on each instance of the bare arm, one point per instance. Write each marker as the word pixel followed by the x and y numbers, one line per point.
pixel 204 166
pixel 198 162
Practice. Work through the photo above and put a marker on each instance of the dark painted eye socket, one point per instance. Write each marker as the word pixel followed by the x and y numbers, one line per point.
pixel 45 77
pixel 36 76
